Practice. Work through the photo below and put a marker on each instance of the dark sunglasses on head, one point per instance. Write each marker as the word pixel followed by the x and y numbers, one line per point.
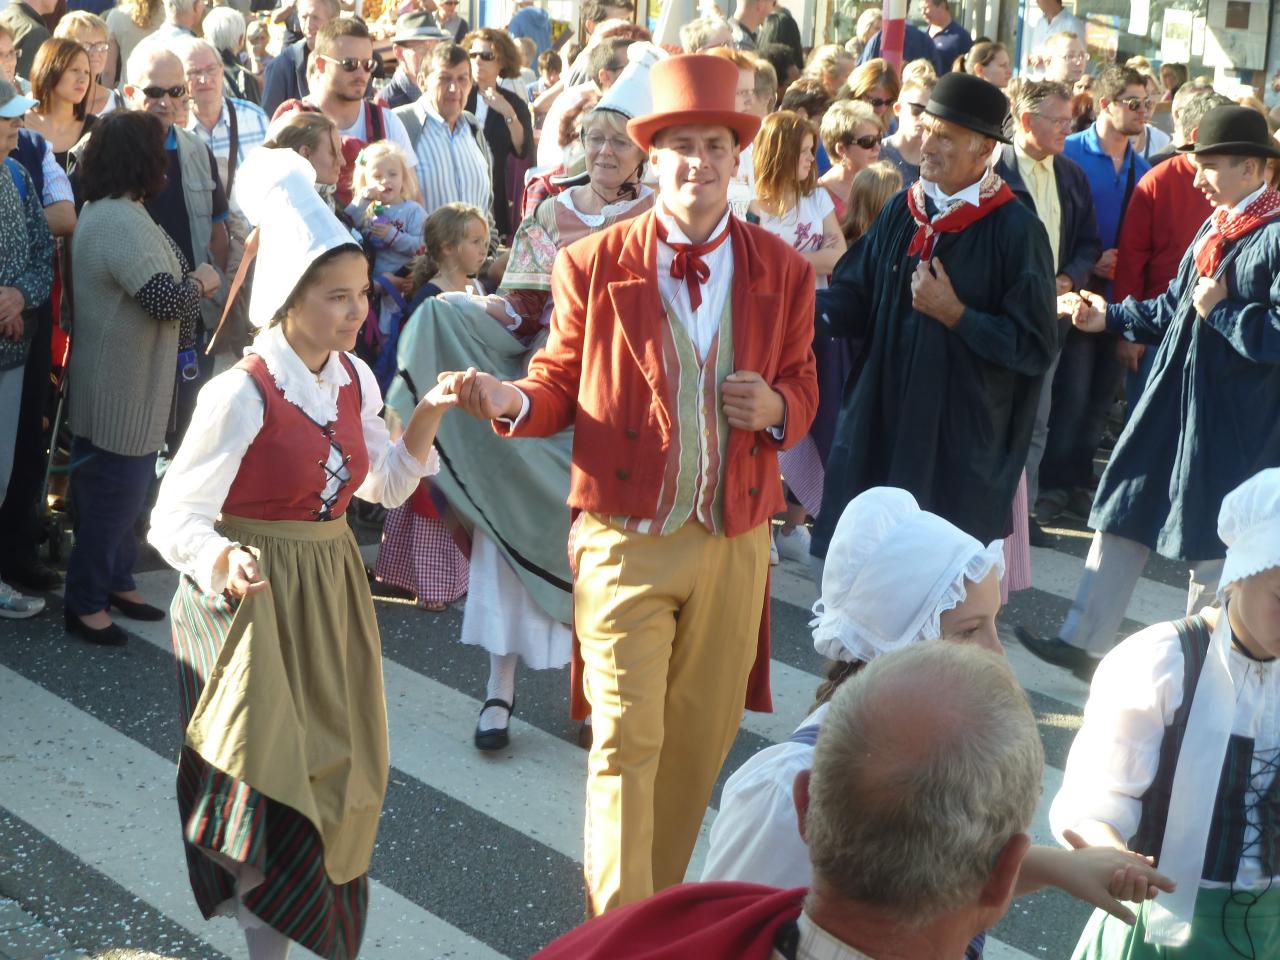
pixel 488 56
pixel 1135 103
pixel 156 93
pixel 876 102
pixel 351 64
pixel 916 108
pixel 869 142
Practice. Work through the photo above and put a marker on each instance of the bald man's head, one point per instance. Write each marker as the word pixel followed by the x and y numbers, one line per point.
pixel 157 81
pixel 928 764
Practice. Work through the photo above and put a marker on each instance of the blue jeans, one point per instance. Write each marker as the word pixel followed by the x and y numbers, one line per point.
pixel 1085 386
pixel 108 494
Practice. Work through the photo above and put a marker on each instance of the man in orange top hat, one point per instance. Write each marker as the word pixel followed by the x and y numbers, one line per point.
pixel 679 351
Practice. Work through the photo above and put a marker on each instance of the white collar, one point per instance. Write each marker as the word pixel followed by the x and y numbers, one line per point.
pixel 817 944
pixel 315 394
pixel 565 197
pixel 677 235
pixel 970 194
pixel 1243 205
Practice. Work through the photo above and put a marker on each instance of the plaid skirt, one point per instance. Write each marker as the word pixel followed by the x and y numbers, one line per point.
pixel 419 555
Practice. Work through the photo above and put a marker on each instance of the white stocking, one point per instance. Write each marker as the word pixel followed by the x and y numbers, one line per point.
pixel 502 686
pixel 265 941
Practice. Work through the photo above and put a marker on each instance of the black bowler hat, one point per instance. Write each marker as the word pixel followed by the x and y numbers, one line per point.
pixel 1233 131
pixel 971 102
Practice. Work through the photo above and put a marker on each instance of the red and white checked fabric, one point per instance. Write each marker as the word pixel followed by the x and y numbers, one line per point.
pixel 802 468
pixel 418 554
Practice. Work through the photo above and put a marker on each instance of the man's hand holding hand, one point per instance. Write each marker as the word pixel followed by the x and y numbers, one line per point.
pixel 482 395
pixel 751 404
pixel 1091 314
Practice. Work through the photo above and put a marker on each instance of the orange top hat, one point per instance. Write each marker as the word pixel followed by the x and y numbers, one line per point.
pixel 693 89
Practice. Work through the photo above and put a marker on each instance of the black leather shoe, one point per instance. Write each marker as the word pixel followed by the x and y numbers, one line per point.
pixel 111 636
pixel 134 610
pixel 32 575
pixel 495 739
pixel 1058 652
pixel 1036 534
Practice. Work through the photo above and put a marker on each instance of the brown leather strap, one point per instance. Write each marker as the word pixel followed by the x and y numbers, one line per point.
pixel 250 251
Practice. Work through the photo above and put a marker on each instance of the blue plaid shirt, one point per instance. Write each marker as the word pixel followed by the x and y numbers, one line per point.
pixel 251 129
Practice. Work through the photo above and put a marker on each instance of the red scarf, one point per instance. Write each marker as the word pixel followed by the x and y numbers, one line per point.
pixel 688 264
pixel 1226 229
pixel 992 193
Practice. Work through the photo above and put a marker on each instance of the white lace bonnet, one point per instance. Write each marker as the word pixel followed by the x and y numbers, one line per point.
pixel 892 570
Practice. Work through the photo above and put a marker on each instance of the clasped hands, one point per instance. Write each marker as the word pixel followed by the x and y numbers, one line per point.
pixel 749 402
pixel 12 303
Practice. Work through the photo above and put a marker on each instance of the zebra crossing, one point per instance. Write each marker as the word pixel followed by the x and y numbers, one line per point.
pixel 478 856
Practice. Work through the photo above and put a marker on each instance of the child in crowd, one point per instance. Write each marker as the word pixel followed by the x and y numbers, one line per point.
pixel 257 37
pixel 388 211
pixel 790 204
pixel 549 67
pixel 418 552
pixel 1177 758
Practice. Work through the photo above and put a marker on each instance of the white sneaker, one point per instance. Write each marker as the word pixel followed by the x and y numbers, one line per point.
pixel 774 559
pixel 793 546
pixel 14 606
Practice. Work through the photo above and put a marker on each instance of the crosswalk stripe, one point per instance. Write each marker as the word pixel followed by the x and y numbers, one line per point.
pixel 59 759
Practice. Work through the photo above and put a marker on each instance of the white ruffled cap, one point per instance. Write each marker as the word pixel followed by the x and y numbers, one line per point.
pixel 276 191
pixel 1249 524
pixel 631 94
pixel 891 571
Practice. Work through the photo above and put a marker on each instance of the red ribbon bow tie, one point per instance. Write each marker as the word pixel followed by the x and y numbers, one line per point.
pixel 688 264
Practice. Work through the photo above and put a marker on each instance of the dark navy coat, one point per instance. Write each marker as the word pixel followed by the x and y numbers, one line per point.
pixel 1210 416
pixel 945 414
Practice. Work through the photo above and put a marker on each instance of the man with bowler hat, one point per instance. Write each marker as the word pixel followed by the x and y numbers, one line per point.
pixel 1209 417
pixel 679 351
pixel 415 37
pixel 952 290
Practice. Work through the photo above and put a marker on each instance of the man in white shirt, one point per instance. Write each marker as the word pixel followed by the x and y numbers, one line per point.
pixel 181 19
pixel 1053 19
pixel 900 869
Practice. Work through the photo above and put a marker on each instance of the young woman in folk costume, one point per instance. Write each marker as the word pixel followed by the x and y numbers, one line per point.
pixel 519 602
pixel 1178 753
pixel 895 575
pixel 284 760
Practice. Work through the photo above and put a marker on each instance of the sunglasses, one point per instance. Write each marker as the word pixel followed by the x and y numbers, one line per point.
pixel 916 108
pixel 352 64
pixel 159 93
pixel 869 142
pixel 95 47
pixel 876 102
pixel 488 56
pixel 1135 103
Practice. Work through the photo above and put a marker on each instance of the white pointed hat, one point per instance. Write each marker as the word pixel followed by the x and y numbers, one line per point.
pixel 631 95
pixel 276 191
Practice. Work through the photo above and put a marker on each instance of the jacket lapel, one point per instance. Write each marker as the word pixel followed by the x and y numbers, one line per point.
pixel 637 307
pixel 754 302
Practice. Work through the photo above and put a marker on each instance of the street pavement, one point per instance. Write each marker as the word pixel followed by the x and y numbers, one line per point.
pixel 478 855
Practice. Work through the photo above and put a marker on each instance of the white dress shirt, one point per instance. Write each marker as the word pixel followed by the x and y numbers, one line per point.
pixel 228 415
pixel 1236 210
pixel 816 944
pixel 971 194
pixel 702 324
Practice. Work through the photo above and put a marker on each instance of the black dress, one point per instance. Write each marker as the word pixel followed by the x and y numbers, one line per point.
pixel 498 135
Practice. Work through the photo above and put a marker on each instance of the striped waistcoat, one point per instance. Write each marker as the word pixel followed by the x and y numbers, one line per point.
pixel 693 477
pixel 1235 796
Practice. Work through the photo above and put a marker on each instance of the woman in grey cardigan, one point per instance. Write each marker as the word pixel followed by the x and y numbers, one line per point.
pixel 134 334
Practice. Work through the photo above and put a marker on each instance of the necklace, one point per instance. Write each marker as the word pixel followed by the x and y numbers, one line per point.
pixel 600 196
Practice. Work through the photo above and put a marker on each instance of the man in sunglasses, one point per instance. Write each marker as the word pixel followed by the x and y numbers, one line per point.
pixel 903 148
pixel 343 63
pixel 1090 373
pixel 192 208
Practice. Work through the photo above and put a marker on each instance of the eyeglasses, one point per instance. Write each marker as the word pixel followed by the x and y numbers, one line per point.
pixel 352 64
pixel 159 93
pixel 488 56
pixel 96 47
pixel 596 141
pixel 1136 103
pixel 876 102
pixel 916 108
pixel 1061 122
pixel 209 73
pixel 869 142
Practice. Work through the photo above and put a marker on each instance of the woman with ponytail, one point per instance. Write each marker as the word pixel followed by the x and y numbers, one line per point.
pixel 988 60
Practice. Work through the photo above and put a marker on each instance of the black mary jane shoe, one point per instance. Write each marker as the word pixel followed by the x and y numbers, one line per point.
pixel 495 739
pixel 134 610
pixel 110 636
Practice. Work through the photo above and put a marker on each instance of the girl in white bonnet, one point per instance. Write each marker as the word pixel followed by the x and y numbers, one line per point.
pixel 895 575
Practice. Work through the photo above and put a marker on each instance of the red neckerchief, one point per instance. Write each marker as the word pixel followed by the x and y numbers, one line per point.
pixel 1225 229
pixel 688 264
pixel 992 193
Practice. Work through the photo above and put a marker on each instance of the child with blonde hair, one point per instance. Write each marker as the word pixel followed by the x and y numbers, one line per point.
pixel 389 213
